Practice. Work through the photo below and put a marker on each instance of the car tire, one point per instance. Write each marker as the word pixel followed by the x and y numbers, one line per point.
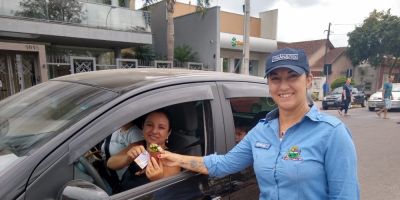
pixel 363 104
pixel 371 108
pixel 325 107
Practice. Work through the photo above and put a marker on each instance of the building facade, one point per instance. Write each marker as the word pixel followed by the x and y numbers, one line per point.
pixel 43 39
pixel 216 36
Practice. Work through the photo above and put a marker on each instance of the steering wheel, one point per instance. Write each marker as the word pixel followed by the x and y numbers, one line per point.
pixel 92 172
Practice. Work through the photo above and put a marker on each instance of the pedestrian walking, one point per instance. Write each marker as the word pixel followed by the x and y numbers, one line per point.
pixel 386 96
pixel 297 152
pixel 346 97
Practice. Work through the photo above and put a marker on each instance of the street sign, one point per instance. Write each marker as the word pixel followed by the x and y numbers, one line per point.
pixel 327 69
pixel 349 73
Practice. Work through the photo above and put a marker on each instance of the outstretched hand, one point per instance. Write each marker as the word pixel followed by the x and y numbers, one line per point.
pixel 169 159
pixel 192 163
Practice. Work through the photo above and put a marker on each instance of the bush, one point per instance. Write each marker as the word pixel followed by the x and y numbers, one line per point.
pixel 184 54
pixel 340 82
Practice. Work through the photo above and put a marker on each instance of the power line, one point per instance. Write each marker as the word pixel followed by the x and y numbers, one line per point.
pixel 338 33
pixel 355 24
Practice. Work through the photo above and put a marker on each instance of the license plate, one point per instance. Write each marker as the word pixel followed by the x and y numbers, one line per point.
pixel 329 103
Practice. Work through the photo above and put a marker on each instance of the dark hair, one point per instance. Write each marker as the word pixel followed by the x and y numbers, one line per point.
pixel 162 111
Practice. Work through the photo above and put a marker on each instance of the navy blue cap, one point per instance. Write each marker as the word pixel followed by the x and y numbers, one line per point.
pixel 294 59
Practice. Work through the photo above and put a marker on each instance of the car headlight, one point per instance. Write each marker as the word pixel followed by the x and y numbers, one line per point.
pixel 324 98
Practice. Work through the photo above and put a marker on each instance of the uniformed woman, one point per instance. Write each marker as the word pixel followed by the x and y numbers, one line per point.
pixel 296 151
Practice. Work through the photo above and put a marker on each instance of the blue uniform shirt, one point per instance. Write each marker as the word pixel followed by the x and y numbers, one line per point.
pixel 316 159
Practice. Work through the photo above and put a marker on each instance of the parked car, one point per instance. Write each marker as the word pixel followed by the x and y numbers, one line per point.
pixel 376 101
pixel 50 133
pixel 334 99
pixel 358 97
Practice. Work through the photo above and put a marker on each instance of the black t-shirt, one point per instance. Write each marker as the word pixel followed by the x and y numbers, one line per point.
pixel 347 91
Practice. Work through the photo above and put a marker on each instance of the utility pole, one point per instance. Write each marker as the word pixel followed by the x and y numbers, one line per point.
pixel 326 84
pixel 246 38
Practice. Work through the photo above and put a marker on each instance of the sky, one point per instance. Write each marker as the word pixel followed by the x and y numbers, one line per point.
pixel 302 20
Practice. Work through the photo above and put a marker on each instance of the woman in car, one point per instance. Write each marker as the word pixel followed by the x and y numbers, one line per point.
pixel 156 130
pixel 296 151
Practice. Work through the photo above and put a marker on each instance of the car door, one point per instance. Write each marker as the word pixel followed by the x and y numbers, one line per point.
pixel 66 162
pixel 243 105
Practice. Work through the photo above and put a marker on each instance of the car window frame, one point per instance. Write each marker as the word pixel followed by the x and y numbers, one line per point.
pixel 231 90
pixel 130 111
pixel 83 140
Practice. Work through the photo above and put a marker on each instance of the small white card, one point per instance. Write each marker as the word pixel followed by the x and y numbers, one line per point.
pixel 143 159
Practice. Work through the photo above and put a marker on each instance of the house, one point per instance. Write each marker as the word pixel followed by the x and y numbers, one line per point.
pixel 315 50
pixel 336 57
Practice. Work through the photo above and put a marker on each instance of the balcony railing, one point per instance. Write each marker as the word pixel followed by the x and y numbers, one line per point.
pixel 76 12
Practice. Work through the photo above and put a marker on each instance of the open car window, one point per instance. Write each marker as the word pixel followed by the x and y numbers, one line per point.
pixel 247 111
pixel 188 135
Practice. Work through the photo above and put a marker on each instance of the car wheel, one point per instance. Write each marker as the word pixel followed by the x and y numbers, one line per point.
pixel 363 104
pixel 371 108
pixel 325 107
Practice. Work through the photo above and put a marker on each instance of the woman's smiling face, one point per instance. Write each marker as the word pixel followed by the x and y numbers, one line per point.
pixel 156 128
pixel 288 88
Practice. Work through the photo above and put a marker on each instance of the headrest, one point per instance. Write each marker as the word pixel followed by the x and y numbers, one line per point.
pixel 184 117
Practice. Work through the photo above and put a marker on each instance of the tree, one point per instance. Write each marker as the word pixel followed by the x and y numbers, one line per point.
pixel 201 6
pixel 184 54
pixel 376 41
pixel 339 82
pixel 58 10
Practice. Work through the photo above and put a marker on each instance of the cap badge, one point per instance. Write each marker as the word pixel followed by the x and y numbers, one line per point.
pixel 285 57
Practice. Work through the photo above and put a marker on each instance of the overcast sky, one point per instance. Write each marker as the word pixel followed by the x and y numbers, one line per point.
pixel 301 20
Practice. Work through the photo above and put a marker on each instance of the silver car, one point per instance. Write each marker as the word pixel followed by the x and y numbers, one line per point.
pixel 376 101
pixel 51 134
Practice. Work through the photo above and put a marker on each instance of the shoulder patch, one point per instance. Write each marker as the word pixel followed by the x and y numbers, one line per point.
pixel 333 121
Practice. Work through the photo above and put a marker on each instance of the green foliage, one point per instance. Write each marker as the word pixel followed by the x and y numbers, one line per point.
pixel 377 38
pixel 144 52
pixel 123 3
pixel 202 5
pixel 184 54
pixel 57 10
pixel 340 82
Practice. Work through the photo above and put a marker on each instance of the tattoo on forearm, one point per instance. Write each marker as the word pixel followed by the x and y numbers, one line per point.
pixel 194 164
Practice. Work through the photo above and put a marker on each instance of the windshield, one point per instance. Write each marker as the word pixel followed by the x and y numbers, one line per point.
pixel 31 118
pixel 338 90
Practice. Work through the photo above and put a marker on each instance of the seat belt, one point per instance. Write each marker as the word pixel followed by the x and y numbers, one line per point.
pixel 114 176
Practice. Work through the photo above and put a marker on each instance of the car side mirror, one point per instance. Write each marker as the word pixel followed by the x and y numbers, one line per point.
pixel 82 190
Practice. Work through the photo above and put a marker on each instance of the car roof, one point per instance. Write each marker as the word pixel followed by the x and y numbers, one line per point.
pixel 123 80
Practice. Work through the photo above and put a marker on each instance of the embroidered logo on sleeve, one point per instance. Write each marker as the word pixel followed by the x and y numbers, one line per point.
pixel 293 154
pixel 262 145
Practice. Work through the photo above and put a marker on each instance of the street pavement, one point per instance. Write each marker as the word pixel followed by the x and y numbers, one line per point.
pixel 376 141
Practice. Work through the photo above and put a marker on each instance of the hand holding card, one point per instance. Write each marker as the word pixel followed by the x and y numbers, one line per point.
pixel 143 159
